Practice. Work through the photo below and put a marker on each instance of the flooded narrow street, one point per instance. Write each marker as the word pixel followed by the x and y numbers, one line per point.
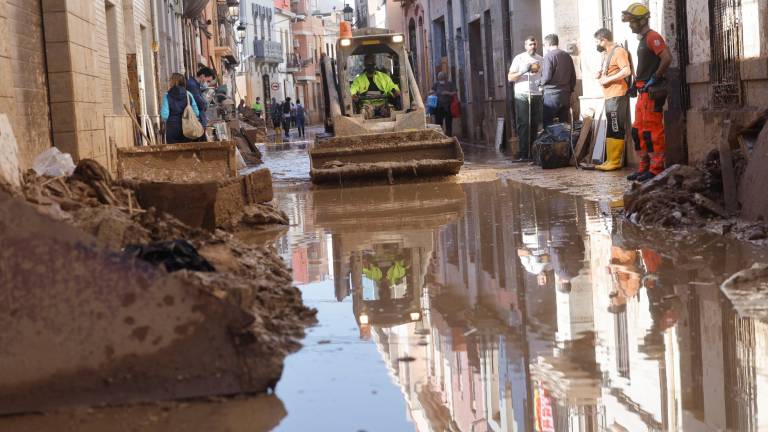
pixel 496 306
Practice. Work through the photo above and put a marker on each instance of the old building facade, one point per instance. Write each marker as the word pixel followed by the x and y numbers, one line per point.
pixel 725 46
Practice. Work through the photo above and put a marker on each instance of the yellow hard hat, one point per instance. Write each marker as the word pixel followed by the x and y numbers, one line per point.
pixel 635 11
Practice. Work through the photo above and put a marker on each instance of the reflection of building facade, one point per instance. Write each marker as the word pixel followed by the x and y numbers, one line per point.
pixel 611 335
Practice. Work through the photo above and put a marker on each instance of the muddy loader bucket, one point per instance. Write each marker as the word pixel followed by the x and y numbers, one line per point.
pixel 385 156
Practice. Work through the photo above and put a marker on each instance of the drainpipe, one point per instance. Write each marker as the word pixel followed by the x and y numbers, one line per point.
pixel 155 53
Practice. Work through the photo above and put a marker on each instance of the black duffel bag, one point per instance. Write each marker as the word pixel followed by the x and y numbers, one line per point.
pixel 552 149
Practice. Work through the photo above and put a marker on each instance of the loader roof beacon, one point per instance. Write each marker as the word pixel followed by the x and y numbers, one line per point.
pixel 376 144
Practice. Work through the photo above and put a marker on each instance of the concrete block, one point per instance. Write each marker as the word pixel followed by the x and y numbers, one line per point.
pixel 89 116
pixel 63 117
pixel 61 87
pixel 257 186
pixel 754 69
pixel 697 73
pixel 67 143
pixel 59 57
pixel 56 26
pixel 210 204
pixel 179 163
pixel 79 8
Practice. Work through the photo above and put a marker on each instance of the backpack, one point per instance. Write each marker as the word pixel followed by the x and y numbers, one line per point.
pixel 455 107
pixel 190 125
pixel 431 103
pixel 628 79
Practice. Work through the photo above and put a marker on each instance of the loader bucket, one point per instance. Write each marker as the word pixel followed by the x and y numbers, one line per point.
pixel 421 153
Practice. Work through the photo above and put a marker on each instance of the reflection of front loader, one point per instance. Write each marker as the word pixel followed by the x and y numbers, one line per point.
pixel 396 146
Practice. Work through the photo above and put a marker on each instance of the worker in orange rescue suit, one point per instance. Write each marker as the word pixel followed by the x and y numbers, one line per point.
pixel 653 60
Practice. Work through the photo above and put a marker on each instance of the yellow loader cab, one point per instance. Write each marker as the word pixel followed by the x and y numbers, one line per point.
pixel 361 143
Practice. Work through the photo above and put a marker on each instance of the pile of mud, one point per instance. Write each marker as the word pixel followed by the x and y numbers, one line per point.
pixel 137 333
pixel 685 196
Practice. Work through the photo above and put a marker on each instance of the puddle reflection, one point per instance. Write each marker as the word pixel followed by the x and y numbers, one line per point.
pixel 502 307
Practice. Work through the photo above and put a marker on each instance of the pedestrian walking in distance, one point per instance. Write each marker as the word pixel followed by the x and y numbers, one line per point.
pixel 615 76
pixel 258 107
pixel 445 91
pixel 525 72
pixel 172 107
pixel 287 109
pixel 276 114
pixel 653 60
pixel 300 118
pixel 558 79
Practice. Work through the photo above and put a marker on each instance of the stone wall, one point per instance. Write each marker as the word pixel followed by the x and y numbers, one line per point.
pixel 25 77
pixel 86 68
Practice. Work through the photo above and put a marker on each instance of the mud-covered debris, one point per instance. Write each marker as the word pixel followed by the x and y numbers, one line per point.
pixel 680 195
pixel 233 344
pixel 261 214
pixel 748 291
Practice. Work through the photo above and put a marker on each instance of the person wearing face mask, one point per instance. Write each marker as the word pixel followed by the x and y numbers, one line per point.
pixel 445 91
pixel 196 85
pixel 377 87
pixel 614 74
pixel 525 72
pixel 653 60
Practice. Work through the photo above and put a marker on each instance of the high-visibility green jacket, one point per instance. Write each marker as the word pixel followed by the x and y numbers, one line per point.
pixel 382 81
pixel 258 107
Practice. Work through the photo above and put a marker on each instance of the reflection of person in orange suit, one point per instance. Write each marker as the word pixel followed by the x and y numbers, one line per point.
pixel 626 277
pixel 635 269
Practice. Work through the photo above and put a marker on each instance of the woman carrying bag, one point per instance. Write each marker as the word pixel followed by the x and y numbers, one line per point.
pixel 180 113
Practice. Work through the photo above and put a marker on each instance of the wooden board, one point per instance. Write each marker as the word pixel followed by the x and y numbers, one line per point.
pixel 581 144
pixel 598 150
pixel 499 132
pixel 754 200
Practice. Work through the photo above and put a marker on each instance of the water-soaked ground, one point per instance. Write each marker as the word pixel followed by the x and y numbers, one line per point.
pixel 496 306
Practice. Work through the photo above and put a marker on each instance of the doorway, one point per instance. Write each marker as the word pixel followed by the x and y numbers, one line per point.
pixel 477 65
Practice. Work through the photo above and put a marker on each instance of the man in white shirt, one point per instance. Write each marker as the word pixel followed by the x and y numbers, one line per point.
pixel 525 72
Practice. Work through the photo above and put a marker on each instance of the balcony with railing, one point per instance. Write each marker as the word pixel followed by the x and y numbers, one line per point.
pixel 267 51
pixel 295 63
pixel 226 44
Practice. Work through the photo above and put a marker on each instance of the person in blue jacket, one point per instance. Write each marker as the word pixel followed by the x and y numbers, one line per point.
pixel 172 108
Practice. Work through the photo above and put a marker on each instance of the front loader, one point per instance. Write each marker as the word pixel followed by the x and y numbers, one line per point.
pixel 360 146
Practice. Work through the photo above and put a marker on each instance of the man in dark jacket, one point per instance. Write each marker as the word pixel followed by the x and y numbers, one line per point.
pixel 196 86
pixel 558 78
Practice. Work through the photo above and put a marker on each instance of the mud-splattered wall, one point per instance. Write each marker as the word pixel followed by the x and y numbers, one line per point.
pixel 87 74
pixel 27 78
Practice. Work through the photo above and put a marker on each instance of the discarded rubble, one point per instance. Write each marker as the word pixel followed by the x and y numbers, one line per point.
pixel 133 331
pixel 685 196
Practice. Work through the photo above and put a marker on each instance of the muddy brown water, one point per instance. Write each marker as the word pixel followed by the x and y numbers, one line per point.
pixel 501 307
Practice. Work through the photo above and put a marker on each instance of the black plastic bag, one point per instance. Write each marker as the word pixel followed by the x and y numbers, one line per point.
pixel 175 255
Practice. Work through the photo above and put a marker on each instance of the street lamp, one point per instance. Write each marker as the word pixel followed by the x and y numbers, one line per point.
pixel 347 11
pixel 241 32
pixel 234 11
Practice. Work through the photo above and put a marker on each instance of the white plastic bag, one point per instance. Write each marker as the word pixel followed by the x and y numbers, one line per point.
pixel 53 163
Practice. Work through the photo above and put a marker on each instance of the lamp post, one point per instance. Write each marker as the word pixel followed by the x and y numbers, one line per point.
pixel 347 12
pixel 234 12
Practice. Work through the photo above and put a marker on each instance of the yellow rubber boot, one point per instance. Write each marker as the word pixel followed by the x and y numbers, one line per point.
pixel 614 148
